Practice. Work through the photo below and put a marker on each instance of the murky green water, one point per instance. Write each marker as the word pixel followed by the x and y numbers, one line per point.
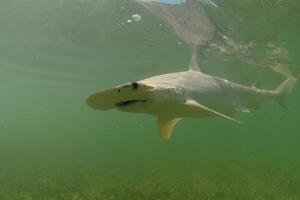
pixel 53 53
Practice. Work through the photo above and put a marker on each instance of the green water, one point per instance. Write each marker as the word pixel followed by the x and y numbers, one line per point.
pixel 53 53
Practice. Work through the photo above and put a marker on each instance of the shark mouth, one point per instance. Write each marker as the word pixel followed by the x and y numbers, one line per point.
pixel 129 102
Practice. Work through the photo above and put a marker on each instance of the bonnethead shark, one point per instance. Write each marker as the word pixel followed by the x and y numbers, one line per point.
pixel 188 94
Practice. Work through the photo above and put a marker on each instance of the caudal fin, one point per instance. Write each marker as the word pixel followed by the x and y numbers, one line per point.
pixel 283 90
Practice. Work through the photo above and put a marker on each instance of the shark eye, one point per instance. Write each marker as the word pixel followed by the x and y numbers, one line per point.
pixel 135 85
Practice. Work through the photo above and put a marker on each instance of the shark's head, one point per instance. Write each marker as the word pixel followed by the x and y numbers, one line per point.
pixel 153 96
pixel 129 97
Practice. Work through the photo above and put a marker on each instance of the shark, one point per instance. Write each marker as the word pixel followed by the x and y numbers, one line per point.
pixel 188 94
pixel 191 93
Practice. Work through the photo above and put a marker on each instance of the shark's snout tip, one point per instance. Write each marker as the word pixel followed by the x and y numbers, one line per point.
pixel 89 100
pixel 98 101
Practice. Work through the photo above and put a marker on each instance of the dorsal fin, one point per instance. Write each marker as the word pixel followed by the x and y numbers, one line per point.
pixel 165 126
pixel 193 64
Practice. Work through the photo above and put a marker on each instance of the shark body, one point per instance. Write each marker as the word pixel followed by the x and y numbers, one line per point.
pixel 192 93
pixel 189 94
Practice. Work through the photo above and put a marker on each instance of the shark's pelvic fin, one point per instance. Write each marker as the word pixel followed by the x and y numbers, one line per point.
pixel 165 126
pixel 207 110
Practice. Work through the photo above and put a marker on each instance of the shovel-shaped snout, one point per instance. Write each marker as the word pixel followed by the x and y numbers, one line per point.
pixel 119 97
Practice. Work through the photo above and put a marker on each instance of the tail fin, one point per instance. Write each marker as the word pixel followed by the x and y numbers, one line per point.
pixel 283 90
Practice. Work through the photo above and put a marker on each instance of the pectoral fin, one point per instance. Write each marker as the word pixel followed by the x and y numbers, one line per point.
pixel 165 126
pixel 207 110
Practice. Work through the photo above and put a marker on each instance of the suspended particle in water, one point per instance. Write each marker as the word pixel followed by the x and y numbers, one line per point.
pixel 129 21
pixel 136 17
